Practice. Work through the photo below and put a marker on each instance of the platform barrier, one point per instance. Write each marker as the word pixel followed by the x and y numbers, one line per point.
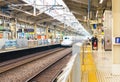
pixel 8 45
pixel 72 72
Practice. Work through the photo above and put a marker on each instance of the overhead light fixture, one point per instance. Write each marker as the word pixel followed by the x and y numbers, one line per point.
pixel 101 1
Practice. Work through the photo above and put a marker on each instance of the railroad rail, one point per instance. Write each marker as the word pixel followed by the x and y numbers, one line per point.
pixel 36 64
pixel 7 65
pixel 50 74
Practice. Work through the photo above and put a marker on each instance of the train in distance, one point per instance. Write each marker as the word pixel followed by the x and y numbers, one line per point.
pixel 70 40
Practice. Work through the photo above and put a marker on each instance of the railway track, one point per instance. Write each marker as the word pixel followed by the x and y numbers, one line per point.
pixel 7 65
pixel 50 74
pixel 28 70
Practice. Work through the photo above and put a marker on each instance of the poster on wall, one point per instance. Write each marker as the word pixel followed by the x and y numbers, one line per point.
pixel 108 39
pixel 20 35
pixel 9 44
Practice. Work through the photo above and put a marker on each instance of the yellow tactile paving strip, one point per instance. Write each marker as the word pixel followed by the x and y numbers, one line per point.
pixel 97 66
pixel 89 66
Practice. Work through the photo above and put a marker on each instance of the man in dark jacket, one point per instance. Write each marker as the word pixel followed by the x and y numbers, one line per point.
pixel 94 41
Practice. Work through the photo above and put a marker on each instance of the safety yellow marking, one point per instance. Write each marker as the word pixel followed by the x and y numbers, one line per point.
pixel 89 66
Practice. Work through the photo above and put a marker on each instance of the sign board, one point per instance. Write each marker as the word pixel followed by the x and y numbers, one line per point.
pixel 108 39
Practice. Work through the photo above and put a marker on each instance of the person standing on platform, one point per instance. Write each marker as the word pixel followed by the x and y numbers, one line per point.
pixel 95 44
pixel 92 40
pixel 102 41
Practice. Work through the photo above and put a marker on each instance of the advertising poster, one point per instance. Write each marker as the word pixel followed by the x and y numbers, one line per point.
pixel 9 44
pixel 108 39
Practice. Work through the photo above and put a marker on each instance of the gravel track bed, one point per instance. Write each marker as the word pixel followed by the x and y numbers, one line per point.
pixel 19 61
pixel 24 72
pixel 52 72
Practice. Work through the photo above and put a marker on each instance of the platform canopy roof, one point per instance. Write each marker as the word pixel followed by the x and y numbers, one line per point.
pixel 91 10
pixel 68 14
pixel 59 11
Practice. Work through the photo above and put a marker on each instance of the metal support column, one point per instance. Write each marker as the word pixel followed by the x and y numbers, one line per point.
pixel 47 31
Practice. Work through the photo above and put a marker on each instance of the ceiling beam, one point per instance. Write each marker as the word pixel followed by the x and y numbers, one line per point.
pixel 75 12
pixel 81 2
pixel 45 20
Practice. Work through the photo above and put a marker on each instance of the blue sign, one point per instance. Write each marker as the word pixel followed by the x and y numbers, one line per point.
pixel 94 26
pixel 10 43
pixel 117 40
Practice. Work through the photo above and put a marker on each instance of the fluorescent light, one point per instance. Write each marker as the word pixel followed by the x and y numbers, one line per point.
pixel 101 1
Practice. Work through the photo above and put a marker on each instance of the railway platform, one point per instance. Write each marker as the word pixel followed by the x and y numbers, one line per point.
pixel 97 66
pixel 94 65
pixel 19 52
